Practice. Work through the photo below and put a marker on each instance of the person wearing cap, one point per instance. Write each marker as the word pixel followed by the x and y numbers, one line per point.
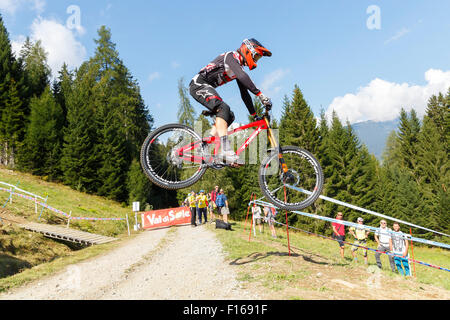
pixel 202 204
pixel 360 234
pixel 192 202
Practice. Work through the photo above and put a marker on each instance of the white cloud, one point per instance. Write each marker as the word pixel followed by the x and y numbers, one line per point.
pixel 398 35
pixel 11 6
pixel 58 41
pixel 16 44
pixel 268 86
pixel 382 100
pixel 154 76
pixel 175 65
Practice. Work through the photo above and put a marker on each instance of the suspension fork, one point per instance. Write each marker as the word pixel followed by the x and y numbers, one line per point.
pixel 276 146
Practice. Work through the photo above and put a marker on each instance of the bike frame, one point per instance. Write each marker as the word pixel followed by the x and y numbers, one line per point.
pixel 260 125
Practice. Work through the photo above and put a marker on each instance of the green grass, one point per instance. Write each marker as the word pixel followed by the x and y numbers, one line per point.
pixel 25 256
pixel 67 200
pixel 266 260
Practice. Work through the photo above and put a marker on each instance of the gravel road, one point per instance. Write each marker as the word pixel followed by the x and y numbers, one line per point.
pixel 166 264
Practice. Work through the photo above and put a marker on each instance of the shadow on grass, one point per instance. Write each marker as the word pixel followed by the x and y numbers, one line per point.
pixel 10 265
pixel 256 256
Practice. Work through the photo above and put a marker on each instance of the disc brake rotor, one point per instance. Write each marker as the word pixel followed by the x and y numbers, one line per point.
pixel 290 177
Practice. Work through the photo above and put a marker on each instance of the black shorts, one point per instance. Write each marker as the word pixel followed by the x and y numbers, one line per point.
pixel 206 95
pixel 340 240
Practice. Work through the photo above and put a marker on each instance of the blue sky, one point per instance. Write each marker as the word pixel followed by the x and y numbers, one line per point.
pixel 325 47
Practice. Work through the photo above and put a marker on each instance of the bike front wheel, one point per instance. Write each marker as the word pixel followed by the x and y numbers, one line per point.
pixel 172 157
pixel 297 188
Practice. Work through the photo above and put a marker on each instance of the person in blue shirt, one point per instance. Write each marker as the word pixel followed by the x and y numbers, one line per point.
pixel 222 203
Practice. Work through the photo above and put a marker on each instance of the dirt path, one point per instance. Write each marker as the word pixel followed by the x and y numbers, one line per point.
pixel 178 263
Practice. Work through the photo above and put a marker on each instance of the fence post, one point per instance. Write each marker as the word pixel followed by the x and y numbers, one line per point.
pixel 68 219
pixel 128 226
pixel 412 252
pixel 287 224
pixel 251 225
pixel 45 203
pixel 248 210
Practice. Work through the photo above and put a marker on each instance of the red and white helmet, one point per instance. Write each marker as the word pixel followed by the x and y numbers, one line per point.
pixel 251 50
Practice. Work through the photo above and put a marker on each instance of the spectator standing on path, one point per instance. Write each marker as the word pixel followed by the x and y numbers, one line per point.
pixel 212 203
pixel 398 244
pixel 383 238
pixel 202 204
pixel 256 214
pixel 269 214
pixel 360 235
pixel 222 205
pixel 192 202
pixel 339 233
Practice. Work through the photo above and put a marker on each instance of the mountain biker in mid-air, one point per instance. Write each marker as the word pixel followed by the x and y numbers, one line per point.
pixel 225 68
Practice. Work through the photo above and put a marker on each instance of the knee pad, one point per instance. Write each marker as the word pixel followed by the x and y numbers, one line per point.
pixel 224 112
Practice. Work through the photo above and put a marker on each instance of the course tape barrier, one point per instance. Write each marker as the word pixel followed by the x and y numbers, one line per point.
pixel 367 248
pixel 356 225
pixel 68 216
pixel 15 188
pixel 348 205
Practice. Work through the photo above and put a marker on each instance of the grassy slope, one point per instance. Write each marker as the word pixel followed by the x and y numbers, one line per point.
pixel 66 199
pixel 316 271
pixel 37 256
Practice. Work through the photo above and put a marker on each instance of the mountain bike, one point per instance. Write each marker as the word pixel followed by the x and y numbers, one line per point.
pixel 174 157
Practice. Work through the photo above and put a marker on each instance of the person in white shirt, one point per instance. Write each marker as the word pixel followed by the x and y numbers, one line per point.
pixel 383 237
pixel 399 246
pixel 256 211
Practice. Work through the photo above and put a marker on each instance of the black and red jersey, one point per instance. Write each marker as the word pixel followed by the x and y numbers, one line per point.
pixel 227 67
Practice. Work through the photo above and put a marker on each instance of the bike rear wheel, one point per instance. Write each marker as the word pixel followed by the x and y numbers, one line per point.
pixel 168 154
pixel 299 187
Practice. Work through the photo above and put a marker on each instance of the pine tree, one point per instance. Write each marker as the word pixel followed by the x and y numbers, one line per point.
pixel 80 160
pixel 408 135
pixel 122 119
pixel 41 150
pixel 433 172
pixel 62 88
pixel 35 65
pixel 13 105
pixel 186 113
pixel 12 119
pixel 298 126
